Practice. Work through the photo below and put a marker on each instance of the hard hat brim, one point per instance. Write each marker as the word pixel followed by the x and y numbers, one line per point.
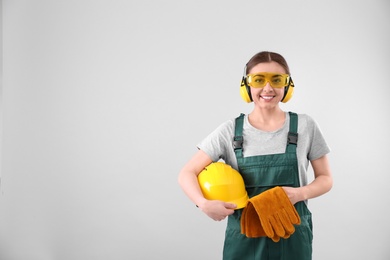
pixel 241 202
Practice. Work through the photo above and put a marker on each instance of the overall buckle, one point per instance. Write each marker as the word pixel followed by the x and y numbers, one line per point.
pixel 292 138
pixel 237 142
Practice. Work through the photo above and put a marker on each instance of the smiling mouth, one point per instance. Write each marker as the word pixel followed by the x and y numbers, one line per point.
pixel 267 97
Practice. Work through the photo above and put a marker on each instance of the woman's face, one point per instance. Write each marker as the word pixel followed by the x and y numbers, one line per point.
pixel 267 97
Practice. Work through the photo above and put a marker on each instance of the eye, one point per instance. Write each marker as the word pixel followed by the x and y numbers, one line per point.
pixel 258 79
pixel 277 79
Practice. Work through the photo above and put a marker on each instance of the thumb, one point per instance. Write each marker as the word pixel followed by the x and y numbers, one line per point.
pixel 230 205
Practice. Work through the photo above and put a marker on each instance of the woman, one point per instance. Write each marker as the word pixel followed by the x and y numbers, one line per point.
pixel 265 150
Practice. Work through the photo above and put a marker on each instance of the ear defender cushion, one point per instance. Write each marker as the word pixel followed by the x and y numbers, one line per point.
pixel 288 91
pixel 245 91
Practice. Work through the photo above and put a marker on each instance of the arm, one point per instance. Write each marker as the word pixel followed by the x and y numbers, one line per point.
pixel 188 180
pixel 321 184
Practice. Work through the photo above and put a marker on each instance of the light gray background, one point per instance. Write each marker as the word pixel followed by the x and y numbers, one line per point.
pixel 104 101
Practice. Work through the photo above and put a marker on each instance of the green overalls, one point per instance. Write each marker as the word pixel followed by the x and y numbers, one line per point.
pixel 261 173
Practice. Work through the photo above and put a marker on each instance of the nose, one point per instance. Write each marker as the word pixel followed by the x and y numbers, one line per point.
pixel 268 88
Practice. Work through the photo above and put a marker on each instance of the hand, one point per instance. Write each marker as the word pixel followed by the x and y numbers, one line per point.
pixel 293 194
pixel 217 210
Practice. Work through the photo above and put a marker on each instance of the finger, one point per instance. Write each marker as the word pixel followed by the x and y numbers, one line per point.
pixel 287 236
pixel 222 218
pixel 288 226
pixel 230 205
pixel 275 238
pixel 293 215
pixel 267 227
pixel 277 226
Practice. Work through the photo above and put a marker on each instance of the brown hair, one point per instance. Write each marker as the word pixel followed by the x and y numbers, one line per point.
pixel 267 56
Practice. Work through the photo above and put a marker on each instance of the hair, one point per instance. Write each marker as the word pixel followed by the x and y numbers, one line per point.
pixel 267 56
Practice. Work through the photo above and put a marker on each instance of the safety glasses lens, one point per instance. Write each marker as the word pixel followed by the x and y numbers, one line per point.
pixel 260 80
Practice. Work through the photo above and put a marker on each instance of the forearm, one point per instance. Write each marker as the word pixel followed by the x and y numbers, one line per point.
pixel 189 183
pixel 215 209
pixel 322 182
pixel 188 177
pixel 320 185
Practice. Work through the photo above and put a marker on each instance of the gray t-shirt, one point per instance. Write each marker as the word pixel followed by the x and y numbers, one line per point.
pixel 311 143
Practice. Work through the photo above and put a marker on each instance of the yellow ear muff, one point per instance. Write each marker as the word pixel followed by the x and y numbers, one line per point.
pixel 288 91
pixel 245 92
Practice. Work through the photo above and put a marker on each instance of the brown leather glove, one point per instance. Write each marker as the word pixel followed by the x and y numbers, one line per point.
pixel 269 214
pixel 277 214
pixel 250 222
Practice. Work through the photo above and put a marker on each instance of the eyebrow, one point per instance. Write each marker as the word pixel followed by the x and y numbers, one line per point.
pixel 265 73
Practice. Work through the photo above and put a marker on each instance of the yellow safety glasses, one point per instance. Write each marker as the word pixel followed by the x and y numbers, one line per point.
pixel 259 80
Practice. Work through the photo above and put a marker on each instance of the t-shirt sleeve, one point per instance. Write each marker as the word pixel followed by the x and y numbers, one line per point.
pixel 218 142
pixel 318 146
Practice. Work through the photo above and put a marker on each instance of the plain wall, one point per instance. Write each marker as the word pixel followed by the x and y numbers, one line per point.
pixel 103 102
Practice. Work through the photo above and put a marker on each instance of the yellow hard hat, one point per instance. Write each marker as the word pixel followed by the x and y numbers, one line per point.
pixel 219 181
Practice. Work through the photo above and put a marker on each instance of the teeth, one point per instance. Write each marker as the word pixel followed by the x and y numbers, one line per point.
pixel 267 97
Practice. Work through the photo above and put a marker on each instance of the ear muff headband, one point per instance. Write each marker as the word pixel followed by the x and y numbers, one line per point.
pixel 245 90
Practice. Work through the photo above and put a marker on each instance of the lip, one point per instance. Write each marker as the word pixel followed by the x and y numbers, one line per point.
pixel 267 98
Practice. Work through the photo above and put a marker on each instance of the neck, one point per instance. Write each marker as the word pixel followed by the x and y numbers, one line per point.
pixel 267 119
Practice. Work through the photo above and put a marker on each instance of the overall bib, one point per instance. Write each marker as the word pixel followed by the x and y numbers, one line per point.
pixel 261 173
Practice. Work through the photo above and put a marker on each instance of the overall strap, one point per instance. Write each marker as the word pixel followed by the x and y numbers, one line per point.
pixel 238 140
pixel 292 138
